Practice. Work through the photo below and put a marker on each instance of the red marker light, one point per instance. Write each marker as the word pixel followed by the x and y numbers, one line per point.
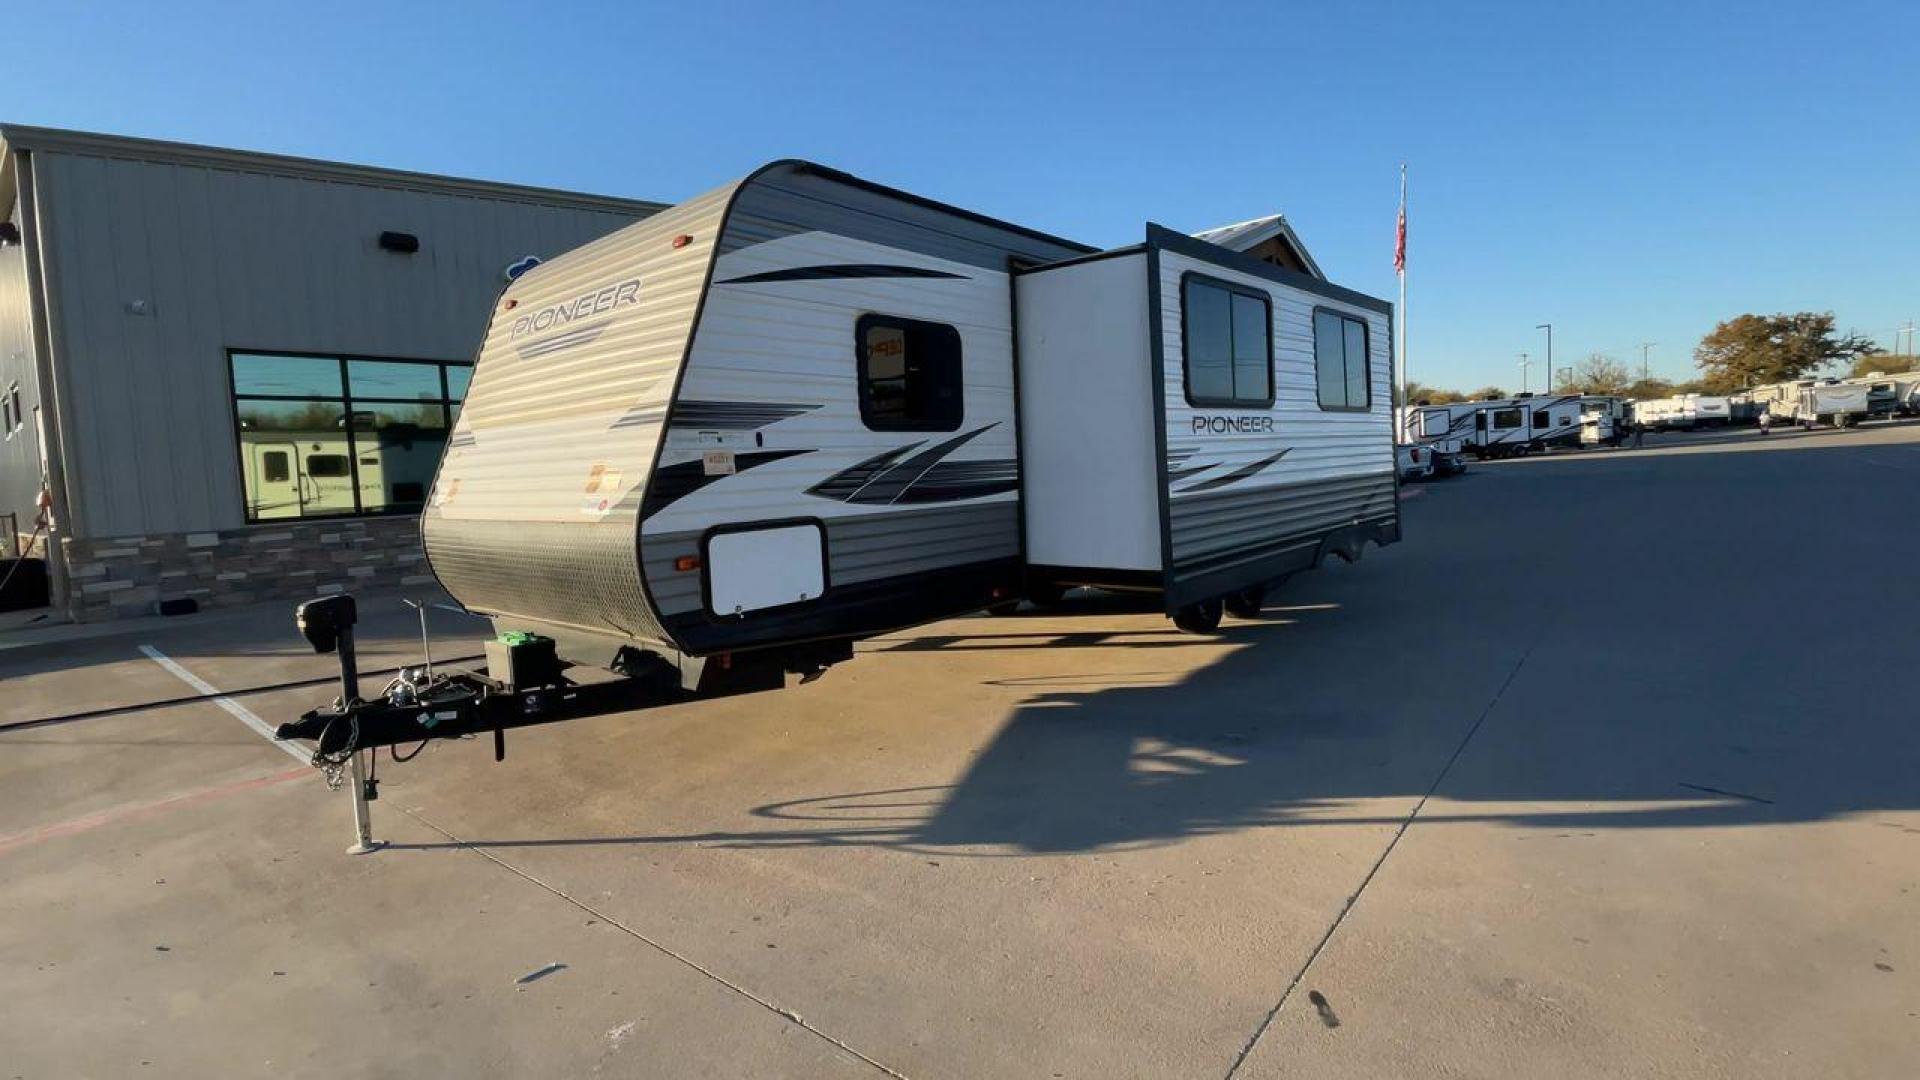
pixel 682 240
pixel 687 562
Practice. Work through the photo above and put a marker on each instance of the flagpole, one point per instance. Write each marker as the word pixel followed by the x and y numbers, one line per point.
pixel 1400 338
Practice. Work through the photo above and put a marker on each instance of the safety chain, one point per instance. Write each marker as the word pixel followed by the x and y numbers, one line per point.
pixel 334 766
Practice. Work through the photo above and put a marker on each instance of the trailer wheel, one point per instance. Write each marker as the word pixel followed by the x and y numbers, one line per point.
pixel 1200 618
pixel 1248 602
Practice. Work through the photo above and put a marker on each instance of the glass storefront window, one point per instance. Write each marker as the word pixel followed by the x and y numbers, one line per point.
pixel 323 436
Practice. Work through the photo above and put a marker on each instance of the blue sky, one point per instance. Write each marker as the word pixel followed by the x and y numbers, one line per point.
pixel 1630 172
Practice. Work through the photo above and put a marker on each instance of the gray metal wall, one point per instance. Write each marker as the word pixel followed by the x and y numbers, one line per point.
pixel 226 258
pixel 19 460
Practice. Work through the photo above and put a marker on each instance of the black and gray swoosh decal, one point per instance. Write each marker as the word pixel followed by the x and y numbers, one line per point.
pixel 674 482
pixel 734 415
pixel 460 440
pixel 1237 475
pixel 949 480
pixel 839 270
pixel 893 477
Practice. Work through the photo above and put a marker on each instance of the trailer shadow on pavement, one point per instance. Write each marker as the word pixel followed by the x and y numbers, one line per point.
pixel 1584 706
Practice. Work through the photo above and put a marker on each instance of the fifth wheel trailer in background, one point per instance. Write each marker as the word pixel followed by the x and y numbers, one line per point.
pixel 804 409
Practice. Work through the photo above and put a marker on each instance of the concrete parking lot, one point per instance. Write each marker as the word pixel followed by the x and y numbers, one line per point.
pixel 1610 769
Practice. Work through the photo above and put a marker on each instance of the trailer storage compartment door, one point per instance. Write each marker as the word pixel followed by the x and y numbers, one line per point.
pixel 754 569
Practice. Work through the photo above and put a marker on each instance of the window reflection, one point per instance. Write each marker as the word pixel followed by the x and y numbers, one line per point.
pixel 316 440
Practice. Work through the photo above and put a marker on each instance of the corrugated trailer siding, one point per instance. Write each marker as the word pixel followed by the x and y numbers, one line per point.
pixel 512 527
pixel 793 341
pixel 1338 467
pixel 19 460
pixel 233 259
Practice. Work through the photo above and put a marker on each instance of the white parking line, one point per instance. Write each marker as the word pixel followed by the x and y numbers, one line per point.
pixel 244 714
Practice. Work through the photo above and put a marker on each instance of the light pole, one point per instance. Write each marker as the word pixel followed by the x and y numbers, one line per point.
pixel 1548 327
pixel 1644 346
pixel 1524 364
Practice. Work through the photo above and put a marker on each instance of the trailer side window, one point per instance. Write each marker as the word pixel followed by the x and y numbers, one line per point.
pixel 1507 419
pixel 1542 418
pixel 1341 363
pixel 274 465
pixel 1226 337
pixel 910 374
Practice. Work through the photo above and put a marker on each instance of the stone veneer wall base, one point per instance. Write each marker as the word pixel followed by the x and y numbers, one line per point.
pixel 293 560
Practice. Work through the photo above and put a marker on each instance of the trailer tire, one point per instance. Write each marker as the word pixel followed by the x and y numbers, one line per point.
pixel 1200 618
pixel 1248 602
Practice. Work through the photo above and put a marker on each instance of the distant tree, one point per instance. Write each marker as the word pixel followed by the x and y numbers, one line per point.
pixel 1598 374
pixel 1885 363
pixel 1753 349
pixel 1486 393
pixel 1643 389
pixel 1432 395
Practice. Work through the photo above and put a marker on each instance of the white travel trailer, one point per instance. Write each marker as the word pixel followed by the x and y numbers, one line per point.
pixel 806 408
pixel 1524 424
pixel 1603 420
pixel 1837 403
pixel 1447 428
pixel 1703 410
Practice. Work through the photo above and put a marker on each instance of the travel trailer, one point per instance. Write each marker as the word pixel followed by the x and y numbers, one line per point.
pixel 1887 395
pixel 1603 420
pixel 1703 410
pixel 1524 424
pixel 1445 430
pixel 1837 403
pixel 805 408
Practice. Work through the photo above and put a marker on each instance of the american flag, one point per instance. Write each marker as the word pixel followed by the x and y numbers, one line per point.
pixel 1400 239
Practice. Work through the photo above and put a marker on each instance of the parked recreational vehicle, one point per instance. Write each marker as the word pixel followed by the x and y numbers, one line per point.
pixel 1445 430
pixel 1603 420
pixel 1887 395
pixel 1837 403
pixel 1703 410
pixel 1524 424
pixel 1657 414
pixel 796 411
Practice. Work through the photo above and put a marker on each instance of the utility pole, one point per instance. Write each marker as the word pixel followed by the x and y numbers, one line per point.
pixel 1524 362
pixel 1548 327
pixel 1909 330
pixel 1644 346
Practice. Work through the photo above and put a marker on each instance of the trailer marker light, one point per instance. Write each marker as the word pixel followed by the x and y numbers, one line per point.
pixel 687 562
pixel 682 240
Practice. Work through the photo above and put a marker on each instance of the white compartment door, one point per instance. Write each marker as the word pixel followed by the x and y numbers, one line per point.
pixel 752 569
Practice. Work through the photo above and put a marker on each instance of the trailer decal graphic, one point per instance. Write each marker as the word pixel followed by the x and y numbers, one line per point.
pixel 842 270
pixel 675 482
pixel 1237 475
pixel 885 479
pixel 734 415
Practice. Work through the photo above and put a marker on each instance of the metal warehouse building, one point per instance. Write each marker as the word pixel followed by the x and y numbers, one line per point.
pixel 230 375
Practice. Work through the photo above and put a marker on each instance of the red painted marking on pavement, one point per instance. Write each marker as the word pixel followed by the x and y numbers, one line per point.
pixel 1411 493
pixel 140 811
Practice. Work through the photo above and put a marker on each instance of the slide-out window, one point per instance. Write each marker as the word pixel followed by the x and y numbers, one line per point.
pixel 911 377
pixel 1506 419
pixel 1542 418
pixel 1226 337
pixel 1341 361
